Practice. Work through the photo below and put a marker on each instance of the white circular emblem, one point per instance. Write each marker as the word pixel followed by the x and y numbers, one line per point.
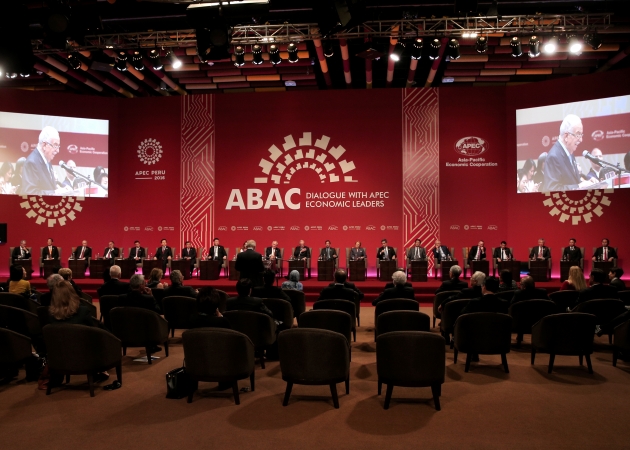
pixel 52 214
pixel 466 227
pixel 159 228
pixel 306 228
pixel 233 228
pixel 126 228
pixel 269 228
pixel 150 151
pixel 24 147
pixel 383 227
pixel 546 141
pixel 345 228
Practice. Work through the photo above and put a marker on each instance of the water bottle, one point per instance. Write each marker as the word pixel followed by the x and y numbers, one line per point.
pixel 98 256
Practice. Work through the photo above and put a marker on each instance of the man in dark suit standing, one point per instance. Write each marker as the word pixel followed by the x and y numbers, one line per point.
pixel 243 301
pixel 139 295
pixel 50 251
pixel 615 275
pixel 541 252
pixel 477 252
pixel 38 175
pixel 337 290
pixel 561 168
pixel 327 253
pixel 502 253
pixel 529 291
pixel 385 252
pixel 21 252
pixel 597 288
pixel 398 291
pixel 441 252
pixel 572 253
pixel 137 253
pixel 249 264
pixel 273 253
pixel 488 302
pixel 113 286
pixel 453 283
pixel 163 253
pixel 302 252
pixel 604 253
pixel 190 254
pixel 111 253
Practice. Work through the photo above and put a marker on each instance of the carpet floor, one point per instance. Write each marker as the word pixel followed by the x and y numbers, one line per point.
pixel 485 408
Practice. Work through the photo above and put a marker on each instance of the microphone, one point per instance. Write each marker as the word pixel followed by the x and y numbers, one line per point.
pixel 591 158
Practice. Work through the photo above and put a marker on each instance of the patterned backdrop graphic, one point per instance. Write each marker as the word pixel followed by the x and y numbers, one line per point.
pixel 197 169
pixel 420 167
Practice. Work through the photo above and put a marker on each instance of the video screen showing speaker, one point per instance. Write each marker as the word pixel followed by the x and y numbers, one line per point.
pixel 574 146
pixel 52 155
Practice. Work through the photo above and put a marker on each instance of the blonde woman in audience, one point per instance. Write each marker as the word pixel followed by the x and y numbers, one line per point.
pixel 575 282
pixel 155 279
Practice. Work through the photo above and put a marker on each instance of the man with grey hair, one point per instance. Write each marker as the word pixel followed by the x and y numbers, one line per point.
pixel 249 264
pixel 21 252
pixel 398 291
pixel 477 280
pixel 113 286
pixel 453 283
pixel 139 295
pixel 177 287
pixel 529 291
pixel 51 282
pixel 561 168
pixel 38 176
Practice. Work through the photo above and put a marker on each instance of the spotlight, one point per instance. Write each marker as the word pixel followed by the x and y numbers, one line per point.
pixel 11 75
pixel 551 45
pixel 293 53
pixel 517 49
pixel 121 65
pixel 274 54
pixel 25 74
pixel 534 47
pixel 109 43
pixel 122 55
pixel 434 48
pixel 482 44
pixel 452 50
pixel 593 40
pixel 136 60
pixel 239 56
pixel 416 49
pixel 0 72
pixel 399 48
pixel 329 50
pixel 257 53
pixel 575 45
pixel 73 61
pixel 175 63
pixel 154 56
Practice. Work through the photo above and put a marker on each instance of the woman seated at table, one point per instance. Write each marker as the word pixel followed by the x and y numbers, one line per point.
pixel 294 282
pixel 17 283
pixel 155 279
pixel 575 281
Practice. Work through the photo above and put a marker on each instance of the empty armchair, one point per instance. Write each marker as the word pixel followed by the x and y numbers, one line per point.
pixel 483 334
pixel 437 301
pixel 327 319
pixel 622 341
pixel 15 348
pixel 177 311
pixel 139 327
pixel 394 304
pixel 18 301
pixel 282 311
pixel 605 310
pixel 260 328
pixel 525 314
pixel 298 301
pixel 564 299
pixel 339 305
pixel 402 321
pixel 450 313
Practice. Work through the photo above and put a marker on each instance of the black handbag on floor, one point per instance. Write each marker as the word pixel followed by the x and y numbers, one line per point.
pixel 177 383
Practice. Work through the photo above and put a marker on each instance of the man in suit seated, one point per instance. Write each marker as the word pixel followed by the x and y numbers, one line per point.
pixel 21 252
pixel 137 253
pixel 177 287
pixel 244 302
pixel 529 291
pixel 163 253
pixel 83 252
pixel 327 253
pixel 477 252
pixel 302 251
pixel 338 290
pixel 453 283
pixel 139 295
pixel 488 302
pixel 572 253
pixel 502 253
pixel 398 291
pixel 541 252
pixel 268 290
pixel 597 288
pixel 273 253
pixel 190 254
pixel 357 252
pixel 417 252
pixel 615 275
pixel 50 251
pixel 113 286
pixel 111 253
pixel 604 253
pixel 350 286
pixel 441 252
pixel 474 291
pixel 385 252
pixel 391 284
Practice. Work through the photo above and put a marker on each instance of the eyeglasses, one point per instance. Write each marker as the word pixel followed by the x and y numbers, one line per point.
pixel 577 135
pixel 55 146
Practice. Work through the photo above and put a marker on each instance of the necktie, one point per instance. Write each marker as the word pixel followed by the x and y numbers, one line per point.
pixel 385 252
pixel 50 251
pixel 328 253
pixel 52 175
pixel 417 257
pixel 605 253
pixel 82 250
pixel 503 258
pixel 108 253
pixel 540 255
pixel 22 251
pixel 216 252
pixel 136 252
pixel 442 253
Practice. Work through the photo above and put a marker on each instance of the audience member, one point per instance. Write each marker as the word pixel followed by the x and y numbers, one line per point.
pixel 139 295
pixel 66 273
pixel 488 302
pixel 453 283
pixel 615 275
pixel 391 284
pixel 337 290
pixel 114 286
pixel 597 288
pixel 474 291
pixel 352 287
pixel 293 282
pixel 66 307
pixel 155 279
pixel 529 291
pixel 244 302
pixel 46 298
pixel 208 314
pixel 398 291
pixel 268 290
pixel 17 283
pixel 575 281
pixel 506 281
pixel 177 287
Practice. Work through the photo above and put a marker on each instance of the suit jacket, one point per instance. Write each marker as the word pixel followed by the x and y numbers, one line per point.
pixel 53 255
pixel 113 287
pixel 619 284
pixel 356 253
pixel 247 304
pixel 395 292
pixel 249 264
pixel 390 285
pixel 454 284
pixel 270 292
pixel 561 173
pixel 572 255
pixel 598 291
pixel 220 251
pixel 180 290
pixel 472 254
pixel 486 303
pixel 114 253
pixel 602 173
pixel 163 255
pixel 324 253
pixel 86 254
pixel 17 254
pixel 351 286
pixel 337 291
pixel 141 253
pixel 189 253
pixel 599 252
pixel 437 255
pixel 139 300
pixel 411 254
pixel 380 253
pixel 469 292
pixel 497 253
pixel 529 294
pixel 545 251
pixel 270 250
pixel 36 178
pixel 299 253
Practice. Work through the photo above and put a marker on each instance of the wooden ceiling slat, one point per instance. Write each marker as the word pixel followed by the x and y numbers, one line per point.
pixel 223 72
pixel 491 72
pixel 197 80
pixel 503 65
pixel 471 58
pixel 571 70
pixel 242 84
pixel 543 71
pixel 298 76
pixel 461 73
pixel 201 86
pixel 275 77
pixel 534 64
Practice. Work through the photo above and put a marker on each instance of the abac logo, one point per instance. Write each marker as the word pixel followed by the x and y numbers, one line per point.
pixel 566 208
pixel 281 164
pixel 150 151
pixel 471 146
pixel 493 227
pixel 333 228
pixel 454 227
pixel 370 228
pixel 222 228
pixel 72 149
pixel 295 228
pixel 258 228
pixel 52 214
pixel 597 135
pixel 148 228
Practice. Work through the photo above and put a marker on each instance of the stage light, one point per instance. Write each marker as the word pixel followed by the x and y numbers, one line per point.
pixel 575 45
pixel 0 72
pixel 416 49
pixel 274 54
pixel 239 56
pixel 399 48
pixel 73 61
pixel 109 43
pixel 25 74
pixel 293 53
pixel 175 63
pixel 593 40
pixel 257 54
pixel 482 44
pixel 551 45
pixel 11 75
pixel 329 49
pixel 452 50
pixel 534 47
pixel 154 56
pixel 517 49
pixel 434 49
pixel 136 60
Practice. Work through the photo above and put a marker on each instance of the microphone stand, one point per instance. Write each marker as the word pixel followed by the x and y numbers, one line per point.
pixel 86 178
pixel 618 170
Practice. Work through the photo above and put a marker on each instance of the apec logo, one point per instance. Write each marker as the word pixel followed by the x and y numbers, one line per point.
pixel 333 228
pixel 72 149
pixel 471 146
pixel 598 135
pixel 222 228
pixel 546 140
pixel 455 227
